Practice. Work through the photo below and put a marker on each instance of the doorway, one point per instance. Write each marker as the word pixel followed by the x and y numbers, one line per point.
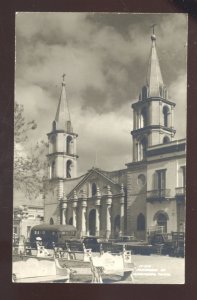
pixel 92 222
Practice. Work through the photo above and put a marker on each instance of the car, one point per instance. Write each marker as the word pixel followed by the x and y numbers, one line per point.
pixel 126 238
pixel 92 242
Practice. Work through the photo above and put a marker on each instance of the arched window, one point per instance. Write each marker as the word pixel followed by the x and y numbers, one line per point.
pixel 143 144
pixel 53 169
pixel 144 93
pixel 70 222
pixel 94 189
pixel 161 218
pixel 92 222
pixel 69 127
pixel 54 125
pixel 141 180
pixel 117 226
pixel 166 139
pixel 144 117
pixel 68 144
pixel 51 222
pixel 53 143
pixel 141 222
pixel 165 116
pixel 68 168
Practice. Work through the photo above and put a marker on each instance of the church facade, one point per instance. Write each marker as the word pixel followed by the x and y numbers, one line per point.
pixel 149 193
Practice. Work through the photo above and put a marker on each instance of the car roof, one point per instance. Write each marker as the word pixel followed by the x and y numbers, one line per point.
pixel 54 227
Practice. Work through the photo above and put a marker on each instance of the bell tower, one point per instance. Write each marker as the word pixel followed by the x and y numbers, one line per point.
pixel 153 112
pixel 62 157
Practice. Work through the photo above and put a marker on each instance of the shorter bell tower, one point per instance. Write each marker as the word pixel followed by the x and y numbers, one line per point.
pixel 62 157
pixel 153 113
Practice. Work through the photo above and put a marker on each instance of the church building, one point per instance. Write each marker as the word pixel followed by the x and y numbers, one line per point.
pixel 149 193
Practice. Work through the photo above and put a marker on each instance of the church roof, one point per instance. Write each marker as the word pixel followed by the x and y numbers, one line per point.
pixel 87 176
pixel 62 117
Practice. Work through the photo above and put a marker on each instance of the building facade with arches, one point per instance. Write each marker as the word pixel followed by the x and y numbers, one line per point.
pixel 149 193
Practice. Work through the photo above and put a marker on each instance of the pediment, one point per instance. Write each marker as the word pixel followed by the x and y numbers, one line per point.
pixel 97 178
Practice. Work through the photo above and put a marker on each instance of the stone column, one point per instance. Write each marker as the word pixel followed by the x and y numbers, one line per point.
pixel 83 214
pixel 108 212
pixel 97 204
pixel 64 208
pixel 74 206
pixel 122 211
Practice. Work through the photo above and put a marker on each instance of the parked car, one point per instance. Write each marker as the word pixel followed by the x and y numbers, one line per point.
pixel 97 244
pixel 170 244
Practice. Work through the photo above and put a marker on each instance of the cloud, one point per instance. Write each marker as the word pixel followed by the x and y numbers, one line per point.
pixel 105 58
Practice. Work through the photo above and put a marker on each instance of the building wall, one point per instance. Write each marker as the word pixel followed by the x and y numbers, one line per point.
pixel 136 199
pixel 167 206
pixel 22 225
pixel 51 203
pixel 174 179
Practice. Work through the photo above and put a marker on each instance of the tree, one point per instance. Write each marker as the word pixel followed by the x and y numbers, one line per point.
pixel 30 165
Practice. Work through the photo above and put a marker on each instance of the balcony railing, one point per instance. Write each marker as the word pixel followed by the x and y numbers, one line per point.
pixel 180 191
pixel 156 229
pixel 158 194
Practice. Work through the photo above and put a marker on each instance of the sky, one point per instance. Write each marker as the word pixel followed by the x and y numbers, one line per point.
pixel 105 59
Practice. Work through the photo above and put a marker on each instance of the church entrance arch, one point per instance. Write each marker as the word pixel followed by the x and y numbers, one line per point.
pixel 92 222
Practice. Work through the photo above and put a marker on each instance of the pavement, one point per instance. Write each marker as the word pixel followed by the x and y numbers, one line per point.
pixel 157 269
pixel 151 269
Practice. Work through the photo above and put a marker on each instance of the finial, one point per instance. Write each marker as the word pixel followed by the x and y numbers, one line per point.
pixel 108 190
pixel 63 76
pixel 98 191
pixel 75 195
pixel 153 36
pixel 84 194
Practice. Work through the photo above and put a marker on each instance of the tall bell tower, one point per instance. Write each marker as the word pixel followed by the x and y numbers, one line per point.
pixel 62 157
pixel 153 112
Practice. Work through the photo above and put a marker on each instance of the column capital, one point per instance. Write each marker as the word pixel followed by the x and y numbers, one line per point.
pixel 75 199
pixel 84 199
pixel 98 194
pixel 109 196
pixel 84 203
pixel 109 193
pixel 98 197
pixel 64 204
pixel 122 190
pixel 98 202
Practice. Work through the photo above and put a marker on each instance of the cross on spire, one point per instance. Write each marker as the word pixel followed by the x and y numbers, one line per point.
pixel 153 27
pixel 63 76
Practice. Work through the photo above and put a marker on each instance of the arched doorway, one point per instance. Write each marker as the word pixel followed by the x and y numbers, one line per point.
pixel 92 222
pixel 141 222
pixel 161 218
pixel 117 226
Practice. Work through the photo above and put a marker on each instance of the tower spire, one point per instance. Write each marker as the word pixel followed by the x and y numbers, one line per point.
pixel 62 117
pixel 154 78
